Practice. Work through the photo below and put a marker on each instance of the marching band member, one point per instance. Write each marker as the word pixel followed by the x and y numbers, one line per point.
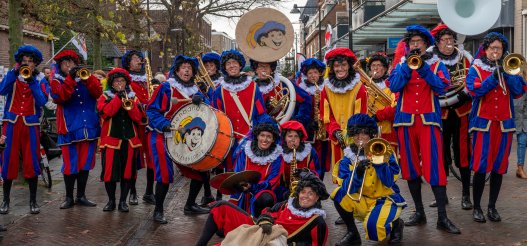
pixel 162 106
pixel 294 136
pixel 120 115
pixel 24 99
pixel 381 204
pixel 378 67
pixel 212 65
pixel 238 97
pixel 268 81
pixel 133 62
pixel 342 97
pixel 491 119
pixel 77 124
pixel 311 79
pixel 418 123
pixel 301 215
pixel 260 151
pixel 455 117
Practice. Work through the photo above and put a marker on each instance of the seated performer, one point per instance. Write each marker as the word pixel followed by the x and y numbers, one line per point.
pixel 294 136
pixel 260 151
pixel 301 215
pixel 120 143
pixel 381 204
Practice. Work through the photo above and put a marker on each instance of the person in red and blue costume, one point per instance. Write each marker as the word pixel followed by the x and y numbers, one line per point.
pixel 294 136
pixel 418 124
pixel 311 79
pixel 238 96
pixel 212 61
pixel 491 120
pixel 24 101
pixel 301 215
pixel 120 141
pixel 133 62
pixel 260 151
pixel 160 110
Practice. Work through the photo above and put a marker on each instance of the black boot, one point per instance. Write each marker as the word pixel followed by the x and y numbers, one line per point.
pixel 110 206
pixel 206 200
pixel 133 193
pixel 68 203
pixel 159 217
pixel 33 206
pixel 125 188
pixel 82 181
pixel 110 190
pixel 191 207
pixel 352 237
pixel 477 215
pixel 443 223
pixel 194 209
pixel 123 207
pixel 418 218
pixel 466 204
pixel 493 215
pixel 69 183
pixel 4 208
pixel 149 197
pixel 396 235
pixel 161 192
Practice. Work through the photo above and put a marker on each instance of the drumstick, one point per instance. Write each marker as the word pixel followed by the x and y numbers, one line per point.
pixel 176 101
pixel 239 134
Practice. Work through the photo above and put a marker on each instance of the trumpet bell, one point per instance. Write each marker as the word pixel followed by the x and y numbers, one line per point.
pixel 469 17
pixel 83 74
pixel 25 71
pixel 513 64
pixel 414 61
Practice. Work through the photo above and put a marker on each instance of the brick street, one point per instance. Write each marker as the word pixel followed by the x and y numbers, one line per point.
pixel 92 226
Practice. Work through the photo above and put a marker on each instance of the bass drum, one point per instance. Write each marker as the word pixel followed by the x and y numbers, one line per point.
pixel 203 138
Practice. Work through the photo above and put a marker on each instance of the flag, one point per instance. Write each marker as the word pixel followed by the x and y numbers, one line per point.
pixel 80 42
pixel 329 34
pixel 299 59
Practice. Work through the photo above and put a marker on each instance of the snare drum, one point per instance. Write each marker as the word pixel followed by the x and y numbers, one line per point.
pixel 202 137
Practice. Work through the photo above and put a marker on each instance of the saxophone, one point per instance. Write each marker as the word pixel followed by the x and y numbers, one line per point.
pixel 321 131
pixel 293 181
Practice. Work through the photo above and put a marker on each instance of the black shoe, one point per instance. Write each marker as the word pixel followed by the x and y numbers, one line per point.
pixel 83 201
pixel 110 206
pixel 159 217
pixel 446 225
pixel 339 221
pixel 3 228
pixel 219 197
pixel 433 204
pixel 4 208
pixel 123 207
pixel 195 209
pixel 418 218
pixel 133 199
pixel 466 204
pixel 150 199
pixel 349 239
pixel 493 215
pixel 206 200
pixel 33 207
pixel 396 235
pixel 68 203
pixel 478 216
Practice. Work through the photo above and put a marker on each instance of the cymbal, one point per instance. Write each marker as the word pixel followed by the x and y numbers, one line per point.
pixel 231 180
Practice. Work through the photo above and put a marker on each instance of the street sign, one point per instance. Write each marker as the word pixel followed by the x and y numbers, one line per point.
pixel 392 42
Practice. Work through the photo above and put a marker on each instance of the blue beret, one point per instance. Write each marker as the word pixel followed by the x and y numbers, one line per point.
pixel 181 59
pixel 361 121
pixel 423 30
pixel 268 124
pixel 500 36
pixel 312 63
pixel 125 60
pixel 212 56
pixel 196 122
pixel 231 54
pixel 28 49
pixel 267 27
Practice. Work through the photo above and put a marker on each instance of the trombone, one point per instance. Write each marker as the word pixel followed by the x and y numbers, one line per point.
pixel 512 64
pixel 379 151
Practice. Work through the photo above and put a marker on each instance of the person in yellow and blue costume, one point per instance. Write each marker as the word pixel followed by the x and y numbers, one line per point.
pixel 381 203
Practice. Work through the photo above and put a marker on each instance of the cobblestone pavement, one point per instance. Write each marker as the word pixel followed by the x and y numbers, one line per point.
pixel 92 226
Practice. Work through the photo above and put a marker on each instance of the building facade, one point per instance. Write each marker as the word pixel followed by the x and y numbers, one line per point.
pixel 221 41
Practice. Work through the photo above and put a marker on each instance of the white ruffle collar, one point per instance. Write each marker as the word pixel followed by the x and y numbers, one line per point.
pixel 312 90
pixel 235 87
pixel 267 88
pixel 138 77
pixel 352 156
pixel 262 160
pixel 188 91
pixel 217 81
pixel 304 214
pixel 110 94
pixel 344 89
pixel 61 78
pixel 454 60
pixel 478 62
pixel 300 156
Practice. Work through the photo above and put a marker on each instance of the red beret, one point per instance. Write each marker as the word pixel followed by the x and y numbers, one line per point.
pixel 438 28
pixel 294 125
pixel 67 53
pixel 340 51
pixel 119 70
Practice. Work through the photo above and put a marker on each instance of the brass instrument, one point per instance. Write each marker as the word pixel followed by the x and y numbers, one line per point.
pixel 321 133
pixel 280 99
pixel 457 78
pixel 513 64
pixel 414 61
pixel 203 75
pixel 148 70
pixel 127 102
pixel 25 71
pixel 379 151
pixel 377 98
pixel 83 73
pixel 293 180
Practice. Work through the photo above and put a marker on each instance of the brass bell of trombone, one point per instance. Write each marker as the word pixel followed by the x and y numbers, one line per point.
pixel 25 71
pixel 513 63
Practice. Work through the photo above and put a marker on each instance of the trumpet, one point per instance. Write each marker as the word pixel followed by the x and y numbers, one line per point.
pixel 414 61
pixel 25 71
pixel 379 151
pixel 83 73
pixel 127 103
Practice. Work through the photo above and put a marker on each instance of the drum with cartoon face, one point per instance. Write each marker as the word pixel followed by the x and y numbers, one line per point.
pixel 202 137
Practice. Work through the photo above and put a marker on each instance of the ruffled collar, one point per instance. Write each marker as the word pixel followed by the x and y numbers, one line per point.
pixel 308 213
pixel 138 77
pixel 300 156
pixel 311 88
pixel 110 94
pixel 341 90
pixel 226 82
pixel 453 59
pixel 487 67
pixel 262 160
pixel 187 90
pixel 351 155
pixel 266 86
pixel 61 78
pixel 380 82
pixel 216 79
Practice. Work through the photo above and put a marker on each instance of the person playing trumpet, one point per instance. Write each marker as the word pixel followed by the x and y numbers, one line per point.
pixel 367 191
pixel 120 144
pixel 492 119
pixel 78 124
